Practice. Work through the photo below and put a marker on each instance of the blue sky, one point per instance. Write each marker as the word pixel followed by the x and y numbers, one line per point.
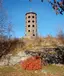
pixel 47 21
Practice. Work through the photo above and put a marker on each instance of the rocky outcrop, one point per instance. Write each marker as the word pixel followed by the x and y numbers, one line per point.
pixel 9 59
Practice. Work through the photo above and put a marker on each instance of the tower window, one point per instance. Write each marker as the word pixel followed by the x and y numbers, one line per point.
pixel 28 16
pixel 33 30
pixel 32 25
pixel 32 16
pixel 33 34
pixel 28 21
pixel 28 25
pixel 33 21
pixel 28 30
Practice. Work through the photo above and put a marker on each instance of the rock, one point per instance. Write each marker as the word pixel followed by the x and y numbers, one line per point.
pixel 9 59
pixel 44 71
pixel 35 71
pixel 4 62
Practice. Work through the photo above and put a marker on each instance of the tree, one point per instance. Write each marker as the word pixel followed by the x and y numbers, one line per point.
pixel 5 30
pixel 60 36
pixel 58 6
pixel 9 30
pixel 3 19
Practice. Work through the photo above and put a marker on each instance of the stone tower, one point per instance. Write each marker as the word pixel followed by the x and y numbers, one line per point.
pixel 31 25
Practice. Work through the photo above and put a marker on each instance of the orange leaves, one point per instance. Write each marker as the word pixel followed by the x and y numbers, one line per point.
pixel 32 63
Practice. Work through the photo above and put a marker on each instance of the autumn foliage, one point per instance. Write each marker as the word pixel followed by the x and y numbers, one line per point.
pixel 32 63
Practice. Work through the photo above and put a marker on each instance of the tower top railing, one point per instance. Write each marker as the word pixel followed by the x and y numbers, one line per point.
pixel 30 13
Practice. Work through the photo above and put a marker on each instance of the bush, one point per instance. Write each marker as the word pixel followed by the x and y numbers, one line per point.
pixel 9 45
pixel 57 57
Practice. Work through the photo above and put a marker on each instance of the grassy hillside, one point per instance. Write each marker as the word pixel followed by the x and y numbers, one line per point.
pixel 15 45
pixel 49 70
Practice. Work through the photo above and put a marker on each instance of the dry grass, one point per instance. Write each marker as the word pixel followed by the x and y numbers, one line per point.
pixel 49 70
pixel 15 45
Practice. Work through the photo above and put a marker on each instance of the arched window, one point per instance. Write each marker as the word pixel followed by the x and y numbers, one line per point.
pixel 28 25
pixel 28 30
pixel 33 34
pixel 28 21
pixel 32 16
pixel 33 21
pixel 32 25
pixel 28 16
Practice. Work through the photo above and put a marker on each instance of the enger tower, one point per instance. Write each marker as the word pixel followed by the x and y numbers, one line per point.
pixel 31 25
